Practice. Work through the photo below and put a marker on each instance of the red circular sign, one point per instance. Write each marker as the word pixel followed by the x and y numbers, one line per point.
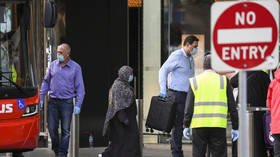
pixel 239 52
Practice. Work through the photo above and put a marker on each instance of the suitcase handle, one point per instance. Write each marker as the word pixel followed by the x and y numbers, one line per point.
pixel 162 98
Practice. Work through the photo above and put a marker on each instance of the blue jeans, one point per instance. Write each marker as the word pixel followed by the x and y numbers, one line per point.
pixel 177 131
pixel 62 111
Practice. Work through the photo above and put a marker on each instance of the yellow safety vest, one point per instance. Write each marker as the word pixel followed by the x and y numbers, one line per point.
pixel 14 73
pixel 265 70
pixel 210 102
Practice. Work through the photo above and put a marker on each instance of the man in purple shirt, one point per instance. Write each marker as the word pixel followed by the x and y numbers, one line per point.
pixel 63 82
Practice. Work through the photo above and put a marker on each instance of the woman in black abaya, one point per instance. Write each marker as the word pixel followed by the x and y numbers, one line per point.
pixel 120 124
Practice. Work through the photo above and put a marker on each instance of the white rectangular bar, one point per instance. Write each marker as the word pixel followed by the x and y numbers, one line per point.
pixel 244 35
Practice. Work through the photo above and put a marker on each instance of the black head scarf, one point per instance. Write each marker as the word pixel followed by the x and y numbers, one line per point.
pixel 120 95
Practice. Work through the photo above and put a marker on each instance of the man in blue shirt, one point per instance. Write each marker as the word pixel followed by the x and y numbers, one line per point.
pixel 63 82
pixel 173 80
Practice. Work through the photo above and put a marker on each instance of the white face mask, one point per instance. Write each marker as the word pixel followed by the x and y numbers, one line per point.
pixel 130 78
pixel 60 57
pixel 194 51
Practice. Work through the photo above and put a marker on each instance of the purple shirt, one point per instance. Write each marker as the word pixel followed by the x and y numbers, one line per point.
pixel 64 82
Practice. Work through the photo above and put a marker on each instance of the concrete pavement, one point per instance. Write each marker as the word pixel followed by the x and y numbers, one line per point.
pixel 149 150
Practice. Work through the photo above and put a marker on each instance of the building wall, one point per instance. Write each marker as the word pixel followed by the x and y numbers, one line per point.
pixel 151 56
pixel 97 33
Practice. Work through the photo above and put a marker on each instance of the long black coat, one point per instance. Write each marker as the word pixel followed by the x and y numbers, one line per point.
pixel 124 138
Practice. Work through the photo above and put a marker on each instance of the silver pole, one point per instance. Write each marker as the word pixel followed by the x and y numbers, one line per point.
pixel 139 103
pixel 244 148
pixel 75 136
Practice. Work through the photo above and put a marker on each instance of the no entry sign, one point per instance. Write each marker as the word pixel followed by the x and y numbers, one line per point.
pixel 244 35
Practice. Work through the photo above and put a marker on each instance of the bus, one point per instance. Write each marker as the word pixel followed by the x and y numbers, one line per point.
pixel 21 49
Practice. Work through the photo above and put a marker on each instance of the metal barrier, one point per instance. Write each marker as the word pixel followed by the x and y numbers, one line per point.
pixel 139 103
pixel 75 136
pixel 249 121
pixel 257 109
pixel 251 111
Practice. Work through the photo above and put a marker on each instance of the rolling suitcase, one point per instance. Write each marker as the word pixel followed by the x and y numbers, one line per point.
pixel 161 114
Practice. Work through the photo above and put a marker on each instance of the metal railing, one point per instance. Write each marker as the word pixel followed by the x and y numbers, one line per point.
pixel 75 136
pixel 139 103
pixel 250 124
pixel 249 121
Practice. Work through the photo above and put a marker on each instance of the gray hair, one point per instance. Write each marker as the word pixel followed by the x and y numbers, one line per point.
pixel 66 47
pixel 207 62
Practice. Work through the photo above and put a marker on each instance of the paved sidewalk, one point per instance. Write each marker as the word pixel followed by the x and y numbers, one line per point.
pixel 149 150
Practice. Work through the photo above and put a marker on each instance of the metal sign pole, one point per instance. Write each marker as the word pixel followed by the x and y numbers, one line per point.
pixel 243 143
pixel 244 117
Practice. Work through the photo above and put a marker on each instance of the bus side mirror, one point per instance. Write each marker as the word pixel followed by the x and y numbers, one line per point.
pixel 50 13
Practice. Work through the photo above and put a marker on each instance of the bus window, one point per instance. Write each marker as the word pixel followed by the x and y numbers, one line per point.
pixel 5 25
pixel 5 29
pixel 17 61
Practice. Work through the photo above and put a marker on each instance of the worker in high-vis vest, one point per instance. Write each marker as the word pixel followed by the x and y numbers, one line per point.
pixel 208 103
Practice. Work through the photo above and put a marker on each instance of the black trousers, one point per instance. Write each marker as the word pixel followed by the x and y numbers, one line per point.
pixel 177 131
pixel 234 148
pixel 259 148
pixel 214 138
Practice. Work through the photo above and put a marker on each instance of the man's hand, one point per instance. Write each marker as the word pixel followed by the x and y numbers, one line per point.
pixel 186 133
pixel 234 135
pixel 77 110
pixel 163 95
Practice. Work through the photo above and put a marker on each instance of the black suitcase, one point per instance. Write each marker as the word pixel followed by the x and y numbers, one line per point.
pixel 161 114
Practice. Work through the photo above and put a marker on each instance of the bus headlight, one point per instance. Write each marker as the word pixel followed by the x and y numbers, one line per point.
pixel 30 110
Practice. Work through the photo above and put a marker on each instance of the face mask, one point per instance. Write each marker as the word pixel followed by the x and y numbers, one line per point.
pixel 130 78
pixel 60 57
pixel 194 51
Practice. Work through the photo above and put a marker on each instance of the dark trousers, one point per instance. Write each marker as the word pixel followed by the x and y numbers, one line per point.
pixel 276 145
pixel 214 138
pixel 234 148
pixel 59 111
pixel 177 131
pixel 259 148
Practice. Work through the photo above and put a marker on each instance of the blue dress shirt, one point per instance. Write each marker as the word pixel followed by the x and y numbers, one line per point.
pixel 176 71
